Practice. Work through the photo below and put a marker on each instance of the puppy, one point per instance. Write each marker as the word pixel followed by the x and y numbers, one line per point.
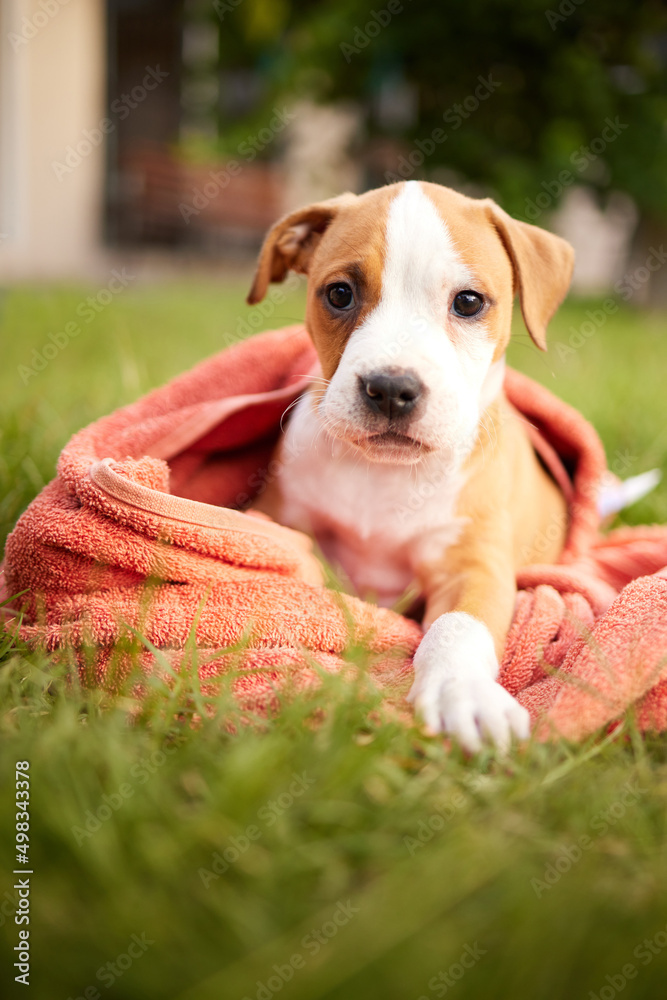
pixel 404 460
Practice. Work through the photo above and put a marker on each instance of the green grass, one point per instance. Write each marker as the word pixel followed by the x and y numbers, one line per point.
pixel 491 871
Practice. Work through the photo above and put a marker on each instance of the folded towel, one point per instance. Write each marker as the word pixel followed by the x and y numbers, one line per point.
pixel 145 528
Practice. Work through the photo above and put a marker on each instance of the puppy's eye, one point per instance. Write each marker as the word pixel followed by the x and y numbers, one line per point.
pixel 340 296
pixel 468 303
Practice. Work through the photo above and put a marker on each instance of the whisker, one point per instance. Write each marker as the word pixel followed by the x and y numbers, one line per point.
pixel 314 376
pixel 288 408
pixel 490 428
pixel 321 381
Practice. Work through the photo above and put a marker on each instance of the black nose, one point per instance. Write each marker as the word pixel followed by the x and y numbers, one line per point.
pixel 392 395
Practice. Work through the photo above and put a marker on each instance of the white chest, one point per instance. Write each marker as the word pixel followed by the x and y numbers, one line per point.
pixel 374 521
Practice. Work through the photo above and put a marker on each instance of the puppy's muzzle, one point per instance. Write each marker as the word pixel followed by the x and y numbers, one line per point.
pixel 392 394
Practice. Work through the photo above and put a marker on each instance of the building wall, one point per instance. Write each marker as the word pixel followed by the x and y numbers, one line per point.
pixel 52 89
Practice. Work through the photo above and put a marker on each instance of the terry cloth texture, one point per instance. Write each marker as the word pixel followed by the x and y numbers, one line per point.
pixel 157 490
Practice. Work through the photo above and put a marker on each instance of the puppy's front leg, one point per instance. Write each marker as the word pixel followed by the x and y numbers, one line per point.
pixel 455 688
pixel 470 601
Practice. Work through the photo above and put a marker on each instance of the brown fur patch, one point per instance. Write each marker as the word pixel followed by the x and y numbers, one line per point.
pixel 352 249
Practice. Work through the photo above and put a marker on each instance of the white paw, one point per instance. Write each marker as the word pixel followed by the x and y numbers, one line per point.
pixel 454 688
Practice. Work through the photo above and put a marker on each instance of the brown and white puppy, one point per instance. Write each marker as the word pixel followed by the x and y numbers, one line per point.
pixel 405 461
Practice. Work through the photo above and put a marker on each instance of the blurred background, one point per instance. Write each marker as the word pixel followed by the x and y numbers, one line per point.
pixel 173 132
pixel 145 147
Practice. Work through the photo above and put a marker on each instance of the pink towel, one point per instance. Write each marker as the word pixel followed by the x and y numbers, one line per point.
pixel 157 490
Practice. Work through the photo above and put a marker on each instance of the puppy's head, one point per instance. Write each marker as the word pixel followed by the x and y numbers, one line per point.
pixel 410 291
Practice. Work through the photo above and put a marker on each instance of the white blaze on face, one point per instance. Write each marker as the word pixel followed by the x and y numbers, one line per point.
pixel 413 328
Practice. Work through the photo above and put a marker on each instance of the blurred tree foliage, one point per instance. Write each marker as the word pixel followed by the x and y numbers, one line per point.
pixel 558 73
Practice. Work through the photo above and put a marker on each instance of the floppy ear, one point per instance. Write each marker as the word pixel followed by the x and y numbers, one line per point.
pixel 290 243
pixel 542 264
